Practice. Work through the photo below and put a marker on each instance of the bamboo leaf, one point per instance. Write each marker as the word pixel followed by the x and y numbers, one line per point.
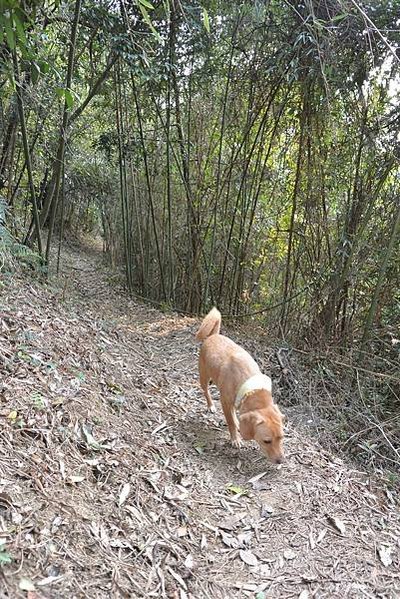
pixel 146 4
pixel 147 19
pixel 339 17
pixel 9 34
pixel 20 29
pixel 206 20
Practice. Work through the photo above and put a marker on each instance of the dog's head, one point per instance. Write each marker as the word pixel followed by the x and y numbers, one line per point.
pixel 266 427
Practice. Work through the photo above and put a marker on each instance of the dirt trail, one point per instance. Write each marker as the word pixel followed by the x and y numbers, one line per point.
pixel 114 482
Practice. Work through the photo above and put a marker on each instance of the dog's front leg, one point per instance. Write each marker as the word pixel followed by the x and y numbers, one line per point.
pixel 232 422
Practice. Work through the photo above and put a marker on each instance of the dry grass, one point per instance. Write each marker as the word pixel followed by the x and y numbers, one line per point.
pixel 114 482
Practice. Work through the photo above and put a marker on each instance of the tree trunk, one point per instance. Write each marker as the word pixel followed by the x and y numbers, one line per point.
pixel 63 131
pixel 24 133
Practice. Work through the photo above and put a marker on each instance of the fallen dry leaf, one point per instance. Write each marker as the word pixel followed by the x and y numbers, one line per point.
pixel 338 524
pixel 89 439
pixel 232 522
pixel 176 492
pixel 229 540
pixel 321 535
pixel 266 510
pixel 311 541
pixel 256 478
pixel 75 479
pixel 289 554
pixel 248 557
pixel 244 538
pixel 123 496
pixel 26 585
pixel 182 531
pixel 49 580
pixel 385 556
pixel 189 563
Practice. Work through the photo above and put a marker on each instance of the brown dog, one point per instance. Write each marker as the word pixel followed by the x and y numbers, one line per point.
pixel 242 386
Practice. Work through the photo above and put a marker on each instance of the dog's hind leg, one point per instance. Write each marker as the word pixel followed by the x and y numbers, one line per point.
pixel 204 382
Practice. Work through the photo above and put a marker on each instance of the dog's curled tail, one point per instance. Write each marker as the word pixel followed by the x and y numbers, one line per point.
pixel 210 325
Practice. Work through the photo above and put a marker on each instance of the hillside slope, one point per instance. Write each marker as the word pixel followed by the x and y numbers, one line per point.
pixel 114 482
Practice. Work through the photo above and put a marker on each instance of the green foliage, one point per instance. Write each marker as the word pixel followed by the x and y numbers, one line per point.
pixel 14 21
pixel 243 163
pixel 66 94
pixel 11 251
pixel 5 556
pixel 206 20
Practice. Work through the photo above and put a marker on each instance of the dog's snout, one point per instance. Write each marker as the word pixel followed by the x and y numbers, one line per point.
pixel 279 460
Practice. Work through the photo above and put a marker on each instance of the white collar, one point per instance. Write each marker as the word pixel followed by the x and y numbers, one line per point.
pixel 254 383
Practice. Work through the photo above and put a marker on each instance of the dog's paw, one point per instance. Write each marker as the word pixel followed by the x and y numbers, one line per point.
pixel 211 409
pixel 236 443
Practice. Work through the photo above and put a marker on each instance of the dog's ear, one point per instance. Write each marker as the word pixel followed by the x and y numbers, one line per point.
pixel 248 423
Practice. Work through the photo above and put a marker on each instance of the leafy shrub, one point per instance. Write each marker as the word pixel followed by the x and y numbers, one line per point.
pixel 13 253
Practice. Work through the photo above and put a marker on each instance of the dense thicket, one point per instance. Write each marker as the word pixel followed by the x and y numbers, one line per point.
pixel 243 154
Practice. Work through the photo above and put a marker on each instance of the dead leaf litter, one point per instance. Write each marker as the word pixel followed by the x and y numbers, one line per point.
pixel 115 482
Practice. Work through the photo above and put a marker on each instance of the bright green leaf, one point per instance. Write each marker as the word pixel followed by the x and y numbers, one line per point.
pixel 69 98
pixel 44 66
pixel 206 20
pixel 60 91
pixel 339 17
pixel 146 4
pixel 147 19
pixel 65 94
pixel 236 490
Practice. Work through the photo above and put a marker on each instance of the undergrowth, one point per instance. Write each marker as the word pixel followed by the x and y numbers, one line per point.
pixel 358 408
pixel 14 254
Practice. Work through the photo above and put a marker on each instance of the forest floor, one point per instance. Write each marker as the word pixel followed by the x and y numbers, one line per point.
pixel 115 482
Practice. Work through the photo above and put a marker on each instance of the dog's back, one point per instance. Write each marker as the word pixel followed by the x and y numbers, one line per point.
pixel 221 359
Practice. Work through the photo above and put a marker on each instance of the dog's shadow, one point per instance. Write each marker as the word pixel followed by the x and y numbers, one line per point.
pixel 207 441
